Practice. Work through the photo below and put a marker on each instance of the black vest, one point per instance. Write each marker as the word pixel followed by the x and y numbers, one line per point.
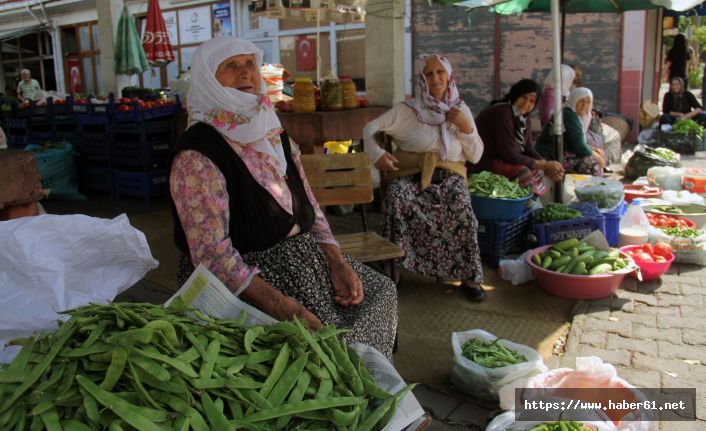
pixel 257 221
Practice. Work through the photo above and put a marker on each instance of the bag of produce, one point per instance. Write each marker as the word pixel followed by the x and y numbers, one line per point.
pixel 590 373
pixel 499 362
pixel 56 164
pixel 682 197
pixel 688 244
pixel 645 158
pixel 666 177
pixel 509 422
pixel 606 193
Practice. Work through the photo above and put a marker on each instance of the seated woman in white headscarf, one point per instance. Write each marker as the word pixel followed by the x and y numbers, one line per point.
pixel 242 207
pixel 568 82
pixel 428 208
pixel 579 156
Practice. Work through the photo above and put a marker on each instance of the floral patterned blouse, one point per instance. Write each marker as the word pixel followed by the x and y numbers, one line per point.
pixel 199 192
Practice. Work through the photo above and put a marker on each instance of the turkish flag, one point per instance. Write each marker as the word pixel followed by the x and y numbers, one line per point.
pixel 305 49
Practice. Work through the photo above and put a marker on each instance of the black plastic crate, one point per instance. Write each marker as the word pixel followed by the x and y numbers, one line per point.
pixel 147 185
pixel 497 238
pixel 145 155
pixel 97 177
pixel 16 123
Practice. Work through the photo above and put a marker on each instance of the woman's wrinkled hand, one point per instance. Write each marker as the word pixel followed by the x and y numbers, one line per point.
pixel 552 169
pixel 599 158
pixel 347 287
pixel 387 162
pixel 457 118
pixel 286 308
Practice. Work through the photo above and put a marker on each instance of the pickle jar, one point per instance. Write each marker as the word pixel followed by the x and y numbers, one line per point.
pixel 304 95
pixel 350 98
pixel 331 95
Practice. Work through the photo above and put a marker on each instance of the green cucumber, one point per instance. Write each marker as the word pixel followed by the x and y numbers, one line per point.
pixel 558 263
pixel 566 244
pixel 600 269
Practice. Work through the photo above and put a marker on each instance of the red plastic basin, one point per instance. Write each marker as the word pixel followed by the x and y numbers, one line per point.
pixel 575 286
pixel 649 270
pixel 635 191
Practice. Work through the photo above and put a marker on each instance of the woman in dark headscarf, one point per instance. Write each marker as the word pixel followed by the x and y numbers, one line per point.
pixel 679 104
pixel 508 140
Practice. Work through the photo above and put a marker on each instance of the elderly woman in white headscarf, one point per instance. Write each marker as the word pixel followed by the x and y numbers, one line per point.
pixel 579 156
pixel 242 207
pixel 428 208
pixel 546 104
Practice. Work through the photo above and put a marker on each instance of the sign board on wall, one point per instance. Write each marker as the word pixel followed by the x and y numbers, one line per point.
pixel 170 21
pixel 222 23
pixel 195 25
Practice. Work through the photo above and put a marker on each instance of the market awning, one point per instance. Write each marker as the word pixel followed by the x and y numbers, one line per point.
pixel 19 32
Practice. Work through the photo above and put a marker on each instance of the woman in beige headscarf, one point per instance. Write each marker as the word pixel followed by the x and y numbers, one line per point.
pixel 428 207
pixel 242 207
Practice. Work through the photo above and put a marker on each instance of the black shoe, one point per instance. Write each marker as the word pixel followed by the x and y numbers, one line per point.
pixel 474 292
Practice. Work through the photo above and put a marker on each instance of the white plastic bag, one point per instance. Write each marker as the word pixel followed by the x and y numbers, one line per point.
pixel 484 382
pixel 686 250
pixel 507 422
pixel 516 271
pixel 51 263
pixel 682 197
pixel 590 372
pixel 666 177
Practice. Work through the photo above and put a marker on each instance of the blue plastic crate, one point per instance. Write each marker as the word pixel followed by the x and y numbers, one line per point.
pixel 97 177
pixel 146 185
pixel 16 123
pixel 140 154
pixel 555 231
pixel 612 223
pixel 497 238
pixel 93 150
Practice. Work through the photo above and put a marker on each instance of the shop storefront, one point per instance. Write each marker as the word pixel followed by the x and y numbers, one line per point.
pixel 26 48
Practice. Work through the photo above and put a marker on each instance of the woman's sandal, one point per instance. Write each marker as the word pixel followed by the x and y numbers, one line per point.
pixel 474 291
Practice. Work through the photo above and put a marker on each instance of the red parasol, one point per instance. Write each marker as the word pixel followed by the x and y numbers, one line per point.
pixel 155 41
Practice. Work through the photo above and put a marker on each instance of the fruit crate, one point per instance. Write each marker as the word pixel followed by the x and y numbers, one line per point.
pixel 136 112
pixel 90 150
pixel 555 231
pixel 497 238
pixel 147 185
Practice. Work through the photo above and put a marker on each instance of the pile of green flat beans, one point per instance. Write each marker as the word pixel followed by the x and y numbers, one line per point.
pixel 126 366
pixel 490 354
pixel 560 426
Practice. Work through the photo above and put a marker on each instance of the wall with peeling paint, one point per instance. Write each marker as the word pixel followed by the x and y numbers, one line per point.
pixel 591 40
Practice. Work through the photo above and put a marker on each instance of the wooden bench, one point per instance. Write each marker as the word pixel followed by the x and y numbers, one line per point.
pixel 344 179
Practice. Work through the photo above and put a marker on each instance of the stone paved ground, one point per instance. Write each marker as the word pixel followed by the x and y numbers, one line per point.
pixel 652 332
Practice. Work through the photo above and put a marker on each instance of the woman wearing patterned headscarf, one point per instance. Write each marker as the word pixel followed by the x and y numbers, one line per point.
pixel 242 207
pixel 428 209
pixel 508 139
pixel 579 156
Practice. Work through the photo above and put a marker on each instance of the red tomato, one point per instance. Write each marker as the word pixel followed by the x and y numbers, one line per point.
pixel 642 256
pixel 647 248
pixel 124 108
pixel 663 249
pixel 660 259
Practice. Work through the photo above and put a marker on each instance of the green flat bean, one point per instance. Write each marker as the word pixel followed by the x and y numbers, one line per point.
pixel 115 369
pixel 305 406
pixel 277 369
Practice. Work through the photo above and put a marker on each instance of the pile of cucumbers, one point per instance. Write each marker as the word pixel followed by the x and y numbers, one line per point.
pixel 573 257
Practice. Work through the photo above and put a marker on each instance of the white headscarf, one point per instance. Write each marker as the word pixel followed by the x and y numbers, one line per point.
pixel 576 95
pixel 428 108
pixel 244 118
pixel 567 79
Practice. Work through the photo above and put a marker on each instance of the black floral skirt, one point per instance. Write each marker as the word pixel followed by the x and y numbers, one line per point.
pixel 297 268
pixel 435 227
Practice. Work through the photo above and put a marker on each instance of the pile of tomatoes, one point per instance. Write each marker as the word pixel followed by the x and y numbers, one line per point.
pixel 663 220
pixel 660 252
pixel 130 103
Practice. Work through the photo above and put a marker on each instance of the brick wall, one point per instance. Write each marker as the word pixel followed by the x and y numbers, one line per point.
pixel 592 41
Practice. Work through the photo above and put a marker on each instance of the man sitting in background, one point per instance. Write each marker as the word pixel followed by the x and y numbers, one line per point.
pixel 29 89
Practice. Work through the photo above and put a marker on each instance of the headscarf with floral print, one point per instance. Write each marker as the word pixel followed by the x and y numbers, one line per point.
pixel 428 108
pixel 576 95
pixel 243 118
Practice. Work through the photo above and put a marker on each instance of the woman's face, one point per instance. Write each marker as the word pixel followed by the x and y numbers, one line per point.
pixel 437 78
pixel 675 86
pixel 525 103
pixel 239 72
pixel 583 105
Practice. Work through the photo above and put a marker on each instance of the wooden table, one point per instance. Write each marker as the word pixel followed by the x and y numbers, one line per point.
pixel 311 130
